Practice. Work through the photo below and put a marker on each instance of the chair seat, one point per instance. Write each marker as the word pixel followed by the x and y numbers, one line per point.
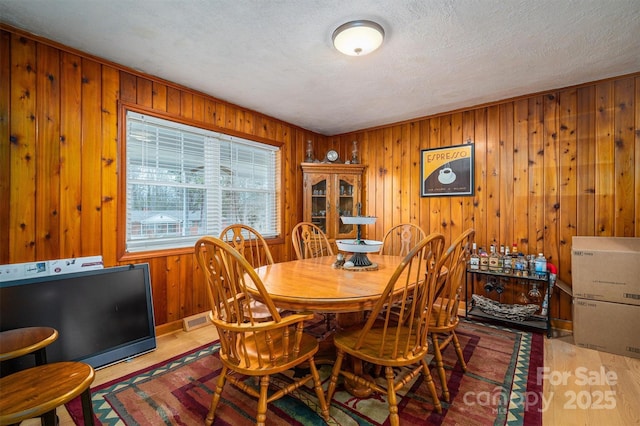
pixel 371 349
pixel 444 324
pixel 35 391
pixel 255 347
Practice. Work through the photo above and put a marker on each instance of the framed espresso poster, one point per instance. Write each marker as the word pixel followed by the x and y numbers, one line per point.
pixel 447 171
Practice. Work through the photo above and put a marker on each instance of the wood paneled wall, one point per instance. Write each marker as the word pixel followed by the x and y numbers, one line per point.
pixel 59 160
pixel 548 166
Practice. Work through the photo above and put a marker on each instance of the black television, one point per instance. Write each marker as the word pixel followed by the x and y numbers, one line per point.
pixel 103 316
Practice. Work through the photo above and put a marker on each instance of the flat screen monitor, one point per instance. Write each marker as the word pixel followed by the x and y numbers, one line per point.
pixel 102 316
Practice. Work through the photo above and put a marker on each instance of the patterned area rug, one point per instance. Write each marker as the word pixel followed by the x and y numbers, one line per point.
pixel 500 388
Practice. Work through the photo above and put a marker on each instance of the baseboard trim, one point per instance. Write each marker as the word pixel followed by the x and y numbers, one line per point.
pixel 168 327
pixel 560 324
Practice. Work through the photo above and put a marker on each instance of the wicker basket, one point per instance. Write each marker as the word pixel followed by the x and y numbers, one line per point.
pixel 503 310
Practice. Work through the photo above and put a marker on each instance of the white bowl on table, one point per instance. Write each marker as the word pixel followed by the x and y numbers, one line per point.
pixel 355 246
pixel 358 220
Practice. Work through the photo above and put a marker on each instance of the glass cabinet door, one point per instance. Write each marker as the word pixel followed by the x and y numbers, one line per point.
pixel 347 199
pixel 319 204
pixel 346 204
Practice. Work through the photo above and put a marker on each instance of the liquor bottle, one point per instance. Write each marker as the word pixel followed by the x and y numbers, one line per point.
pixel 523 265
pixel 540 266
pixel 493 259
pixel 531 261
pixel 474 259
pixel 514 258
pixel 501 259
pixel 507 263
pixel 484 260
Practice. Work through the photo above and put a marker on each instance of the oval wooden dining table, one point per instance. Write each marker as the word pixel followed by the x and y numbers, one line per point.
pixel 315 285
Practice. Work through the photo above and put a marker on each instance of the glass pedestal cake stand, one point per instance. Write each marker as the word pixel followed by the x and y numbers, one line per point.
pixel 359 247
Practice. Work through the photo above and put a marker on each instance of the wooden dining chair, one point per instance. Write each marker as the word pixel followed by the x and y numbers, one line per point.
pixel 310 241
pixel 393 337
pixel 444 317
pixel 253 247
pixel 248 345
pixel 249 242
pixel 400 239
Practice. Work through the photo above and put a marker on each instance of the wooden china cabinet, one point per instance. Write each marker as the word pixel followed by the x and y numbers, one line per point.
pixel 331 191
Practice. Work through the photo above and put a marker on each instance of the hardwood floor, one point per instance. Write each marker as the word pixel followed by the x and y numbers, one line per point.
pixel 602 389
pixel 581 398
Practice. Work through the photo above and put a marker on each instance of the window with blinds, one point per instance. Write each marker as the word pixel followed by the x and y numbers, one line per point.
pixel 184 182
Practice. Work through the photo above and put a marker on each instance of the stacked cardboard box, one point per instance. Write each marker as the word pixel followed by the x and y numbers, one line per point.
pixel 21 271
pixel 606 294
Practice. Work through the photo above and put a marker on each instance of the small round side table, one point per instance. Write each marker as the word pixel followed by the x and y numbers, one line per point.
pixel 37 391
pixel 23 341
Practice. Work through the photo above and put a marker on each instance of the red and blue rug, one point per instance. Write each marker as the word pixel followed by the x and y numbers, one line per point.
pixel 500 388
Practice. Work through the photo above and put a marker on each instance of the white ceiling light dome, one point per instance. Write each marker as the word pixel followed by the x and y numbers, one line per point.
pixel 358 38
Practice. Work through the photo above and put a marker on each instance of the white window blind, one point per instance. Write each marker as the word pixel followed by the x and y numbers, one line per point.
pixel 184 182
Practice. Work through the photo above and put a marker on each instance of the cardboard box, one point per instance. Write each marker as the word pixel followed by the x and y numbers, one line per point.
pixel 606 326
pixel 606 268
pixel 79 264
pixel 22 271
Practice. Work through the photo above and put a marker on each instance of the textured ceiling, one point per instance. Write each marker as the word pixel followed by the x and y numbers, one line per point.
pixel 276 56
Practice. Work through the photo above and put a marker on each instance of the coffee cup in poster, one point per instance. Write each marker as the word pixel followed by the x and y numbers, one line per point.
pixel 446 176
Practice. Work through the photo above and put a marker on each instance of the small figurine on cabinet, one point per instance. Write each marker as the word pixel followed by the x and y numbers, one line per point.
pixel 354 153
pixel 309 157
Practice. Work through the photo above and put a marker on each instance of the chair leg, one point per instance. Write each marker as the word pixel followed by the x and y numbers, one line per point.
pixel 431 386
pixel 391 397
pixel 334 375
pixel 261 417
pixel 317 385
pixel 440 367
pixel 216 396
pixel 456 344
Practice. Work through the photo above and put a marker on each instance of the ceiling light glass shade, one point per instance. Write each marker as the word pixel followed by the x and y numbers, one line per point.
pixel 358 38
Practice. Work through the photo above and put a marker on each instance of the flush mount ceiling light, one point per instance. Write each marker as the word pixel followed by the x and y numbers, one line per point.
pixel 358 38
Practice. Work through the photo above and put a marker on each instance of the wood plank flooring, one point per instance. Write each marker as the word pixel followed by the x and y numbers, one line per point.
pixel 597 388
pixel 578 399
